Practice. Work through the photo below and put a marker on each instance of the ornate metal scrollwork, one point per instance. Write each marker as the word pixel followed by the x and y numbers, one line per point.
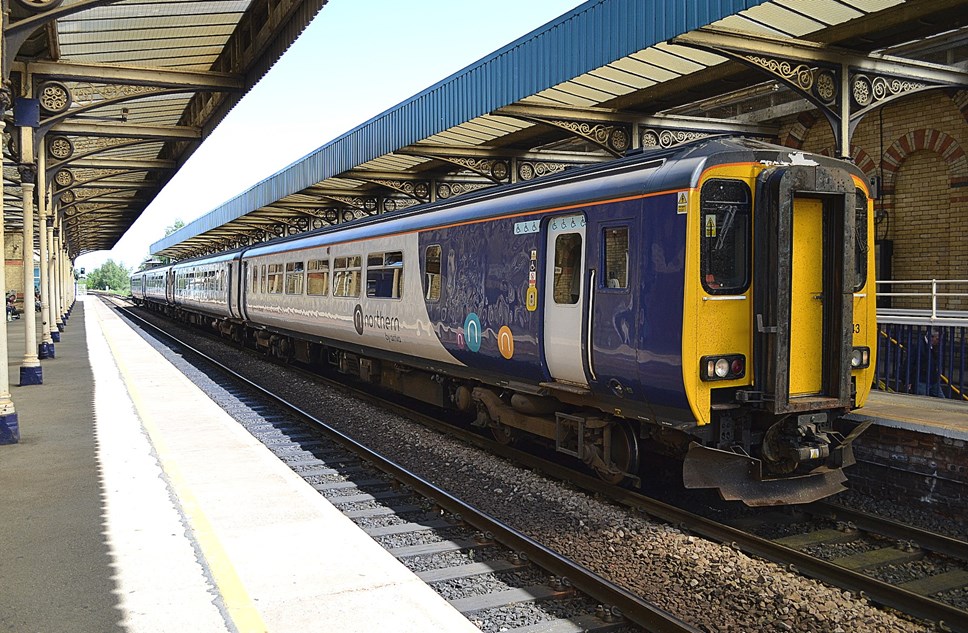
pixel 656 138
pixel 801 75
pixel 452 189
pixel 64 178
pixel 54 97
pixel 865 90
pixel 60 147
pixel 68 197
pixel 89 93
pixel 825 87
pixel 611 137
pixel 529 170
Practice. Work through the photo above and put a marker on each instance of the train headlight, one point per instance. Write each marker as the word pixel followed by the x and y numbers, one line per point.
pixel 722 367
pixel 860 357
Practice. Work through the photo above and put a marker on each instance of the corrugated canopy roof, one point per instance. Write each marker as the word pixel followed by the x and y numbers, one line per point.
pixel 609 76
pixel 127 90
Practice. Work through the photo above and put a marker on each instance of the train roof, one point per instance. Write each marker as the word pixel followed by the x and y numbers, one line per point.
pixel 643 171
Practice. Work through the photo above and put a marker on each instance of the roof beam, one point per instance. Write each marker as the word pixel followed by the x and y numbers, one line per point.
pixel 126 130
pixel 137 76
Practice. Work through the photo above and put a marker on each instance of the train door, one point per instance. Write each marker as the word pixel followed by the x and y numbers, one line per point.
pixel 565 298
pixel 806 294
pixel 803 287
pixel 244 280
pixel 170 286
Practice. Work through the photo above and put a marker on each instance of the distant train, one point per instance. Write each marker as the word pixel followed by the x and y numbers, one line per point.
pixel 714 302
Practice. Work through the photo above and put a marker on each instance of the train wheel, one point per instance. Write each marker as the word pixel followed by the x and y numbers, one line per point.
pixel 503 433
pixel 622 454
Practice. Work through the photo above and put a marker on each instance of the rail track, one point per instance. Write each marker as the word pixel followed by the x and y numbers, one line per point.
pixel 498 577
pixel 798 554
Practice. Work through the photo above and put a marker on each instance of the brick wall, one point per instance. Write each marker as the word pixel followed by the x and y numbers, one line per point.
pixel 917 145
pixel 911 467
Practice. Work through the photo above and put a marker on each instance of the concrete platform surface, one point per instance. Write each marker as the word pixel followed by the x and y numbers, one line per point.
pixel 135 503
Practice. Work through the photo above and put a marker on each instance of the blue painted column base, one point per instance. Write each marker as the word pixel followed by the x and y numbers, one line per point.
pixel 9 429
pixel 60 327
pixel 55 336
pixel 45 350
pixel 31 376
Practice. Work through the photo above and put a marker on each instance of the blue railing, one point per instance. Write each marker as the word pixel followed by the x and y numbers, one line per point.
pixel 922 348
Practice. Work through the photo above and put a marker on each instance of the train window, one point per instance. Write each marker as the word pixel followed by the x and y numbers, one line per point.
pixel 384 275
pixel 432 274
pixel 255 279
pixel 567 281
pixel 725 236
pixel 274 279
pixel 317 282
pixel 262 278
pixel 346 276
pixel 861 243
pixel 294 278
pixel 615 243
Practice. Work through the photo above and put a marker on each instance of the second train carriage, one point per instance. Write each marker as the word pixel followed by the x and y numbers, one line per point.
pixel 714 301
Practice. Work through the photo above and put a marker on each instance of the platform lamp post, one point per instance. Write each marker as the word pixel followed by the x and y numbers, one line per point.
pixel 9 425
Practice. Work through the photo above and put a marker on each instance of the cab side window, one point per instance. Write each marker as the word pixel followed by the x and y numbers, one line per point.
pixel 860 241
pixel 725 208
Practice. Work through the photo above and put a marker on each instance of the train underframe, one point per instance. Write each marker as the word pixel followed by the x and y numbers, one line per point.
pixel 746 455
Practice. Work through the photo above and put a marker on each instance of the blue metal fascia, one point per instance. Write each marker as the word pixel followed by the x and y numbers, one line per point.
pixel 592 35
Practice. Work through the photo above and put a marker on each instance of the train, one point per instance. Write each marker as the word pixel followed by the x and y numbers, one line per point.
pixel 712 302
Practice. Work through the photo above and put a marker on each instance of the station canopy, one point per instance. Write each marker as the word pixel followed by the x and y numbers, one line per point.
pixel 118 94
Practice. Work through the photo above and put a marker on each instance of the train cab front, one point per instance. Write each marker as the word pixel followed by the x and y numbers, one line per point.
pixel 784 344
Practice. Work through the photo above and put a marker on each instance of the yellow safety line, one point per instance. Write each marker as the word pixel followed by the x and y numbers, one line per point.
pixel 241 609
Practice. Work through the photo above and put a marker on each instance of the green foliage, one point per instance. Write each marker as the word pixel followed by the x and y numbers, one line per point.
pixel 110 276
pixel 173 227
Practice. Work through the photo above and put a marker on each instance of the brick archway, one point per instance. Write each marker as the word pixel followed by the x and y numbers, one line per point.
pixel 930 140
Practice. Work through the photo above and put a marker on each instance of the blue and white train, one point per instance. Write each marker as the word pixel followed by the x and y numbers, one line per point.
pixel 714 302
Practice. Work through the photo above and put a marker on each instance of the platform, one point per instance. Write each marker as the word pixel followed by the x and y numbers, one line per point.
pixel 935 416
pixel 134 503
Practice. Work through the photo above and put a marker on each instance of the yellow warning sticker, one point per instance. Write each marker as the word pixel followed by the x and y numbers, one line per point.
pixel 682 202
pixel 711 225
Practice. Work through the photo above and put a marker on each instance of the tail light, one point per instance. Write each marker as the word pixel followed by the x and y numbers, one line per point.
pixel 723 367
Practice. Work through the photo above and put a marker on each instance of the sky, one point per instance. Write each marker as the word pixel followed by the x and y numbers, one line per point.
pixel 357 59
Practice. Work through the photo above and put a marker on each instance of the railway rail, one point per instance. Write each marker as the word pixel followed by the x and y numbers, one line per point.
pixel 489 570
pixel 878 592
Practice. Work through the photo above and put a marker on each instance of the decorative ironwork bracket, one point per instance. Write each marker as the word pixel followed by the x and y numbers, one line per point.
pixel 842 84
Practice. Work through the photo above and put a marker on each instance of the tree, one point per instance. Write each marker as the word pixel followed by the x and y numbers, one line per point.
pixel 173 227
pixel 111 276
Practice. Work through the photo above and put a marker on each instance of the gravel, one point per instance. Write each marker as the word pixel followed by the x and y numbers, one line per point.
pixel 712 586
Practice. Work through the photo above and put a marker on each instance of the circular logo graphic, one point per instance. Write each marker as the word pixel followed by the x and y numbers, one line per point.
pixel 472 332
pixel 505 342
pixel 358 319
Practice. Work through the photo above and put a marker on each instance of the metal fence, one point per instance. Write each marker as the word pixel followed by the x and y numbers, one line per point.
pixel 922 341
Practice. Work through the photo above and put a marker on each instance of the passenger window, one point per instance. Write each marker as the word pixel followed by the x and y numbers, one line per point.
pixel 860 241
pixel 262 278
pixel 616 254
pixel 294 278
pixel 317 273
pixel 567 278
pixel 275 280
pixel 725 236
pixel 255 279
pixel 384 275
pixel 432 274
pixel 346 276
